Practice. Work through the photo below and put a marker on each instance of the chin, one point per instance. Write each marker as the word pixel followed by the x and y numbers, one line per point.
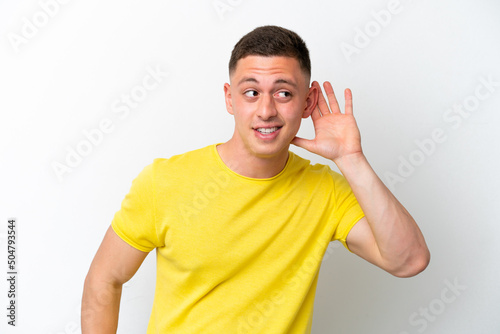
pixel 270 151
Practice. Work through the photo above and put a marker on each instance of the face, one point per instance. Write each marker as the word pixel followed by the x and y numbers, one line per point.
pixel 268 97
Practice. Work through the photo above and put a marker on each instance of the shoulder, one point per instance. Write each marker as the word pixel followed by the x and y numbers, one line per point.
pixel 299 165
pixel 189 160
pixel 318 178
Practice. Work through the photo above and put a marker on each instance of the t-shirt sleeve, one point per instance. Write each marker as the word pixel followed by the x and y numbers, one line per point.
pixel 347 211
pixel 135 222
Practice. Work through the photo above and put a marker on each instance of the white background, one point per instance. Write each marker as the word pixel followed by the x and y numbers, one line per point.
pixel 65 77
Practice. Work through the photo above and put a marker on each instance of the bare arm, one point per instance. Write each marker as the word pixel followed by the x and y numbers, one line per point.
pixel 388 236
pixel 113 265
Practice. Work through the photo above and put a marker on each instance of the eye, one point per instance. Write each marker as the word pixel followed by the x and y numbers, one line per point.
pixel 284 94
pixel 251 93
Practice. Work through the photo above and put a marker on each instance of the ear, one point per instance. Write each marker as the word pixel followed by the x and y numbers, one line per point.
pixel 311 101
pixel 228 98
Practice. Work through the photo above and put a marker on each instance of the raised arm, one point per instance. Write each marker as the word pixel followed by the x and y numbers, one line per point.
pixel 388 236
pixel 113 265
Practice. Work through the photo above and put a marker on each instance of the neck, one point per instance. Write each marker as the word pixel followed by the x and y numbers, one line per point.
pixel 242 163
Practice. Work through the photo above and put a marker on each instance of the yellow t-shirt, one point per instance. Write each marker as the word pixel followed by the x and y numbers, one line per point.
pixel 235 254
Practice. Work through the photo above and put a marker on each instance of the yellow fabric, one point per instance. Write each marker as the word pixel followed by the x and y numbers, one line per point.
pixel 235 254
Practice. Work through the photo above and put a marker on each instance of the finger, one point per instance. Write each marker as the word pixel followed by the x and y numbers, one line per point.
pixel 323 106
pixel 334 105
pixel 348 101
pixel 316 114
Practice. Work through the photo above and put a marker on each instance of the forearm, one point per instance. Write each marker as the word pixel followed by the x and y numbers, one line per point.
pixel 399 240
pixel 100 307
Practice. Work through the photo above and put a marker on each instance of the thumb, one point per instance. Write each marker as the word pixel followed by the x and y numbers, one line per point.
pixel 303 143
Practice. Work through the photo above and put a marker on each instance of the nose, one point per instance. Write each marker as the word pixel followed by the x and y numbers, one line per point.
pixel 267 108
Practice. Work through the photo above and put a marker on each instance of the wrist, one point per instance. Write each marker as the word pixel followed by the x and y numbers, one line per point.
pixel 356 169
pixel 350 160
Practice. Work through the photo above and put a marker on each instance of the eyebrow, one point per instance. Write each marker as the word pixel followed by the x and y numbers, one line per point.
pixel 278 81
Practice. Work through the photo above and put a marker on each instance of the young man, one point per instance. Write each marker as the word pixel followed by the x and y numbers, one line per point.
pixel 240 228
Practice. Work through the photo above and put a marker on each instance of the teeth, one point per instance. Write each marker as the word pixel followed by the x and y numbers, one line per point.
pixel 267 130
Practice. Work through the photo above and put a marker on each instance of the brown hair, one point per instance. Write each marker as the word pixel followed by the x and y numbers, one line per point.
pixel 271 41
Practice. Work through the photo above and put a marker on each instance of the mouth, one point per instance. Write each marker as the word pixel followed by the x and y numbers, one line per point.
pixel 267 131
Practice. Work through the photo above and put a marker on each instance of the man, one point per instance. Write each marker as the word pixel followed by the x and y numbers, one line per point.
pixel 240 227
